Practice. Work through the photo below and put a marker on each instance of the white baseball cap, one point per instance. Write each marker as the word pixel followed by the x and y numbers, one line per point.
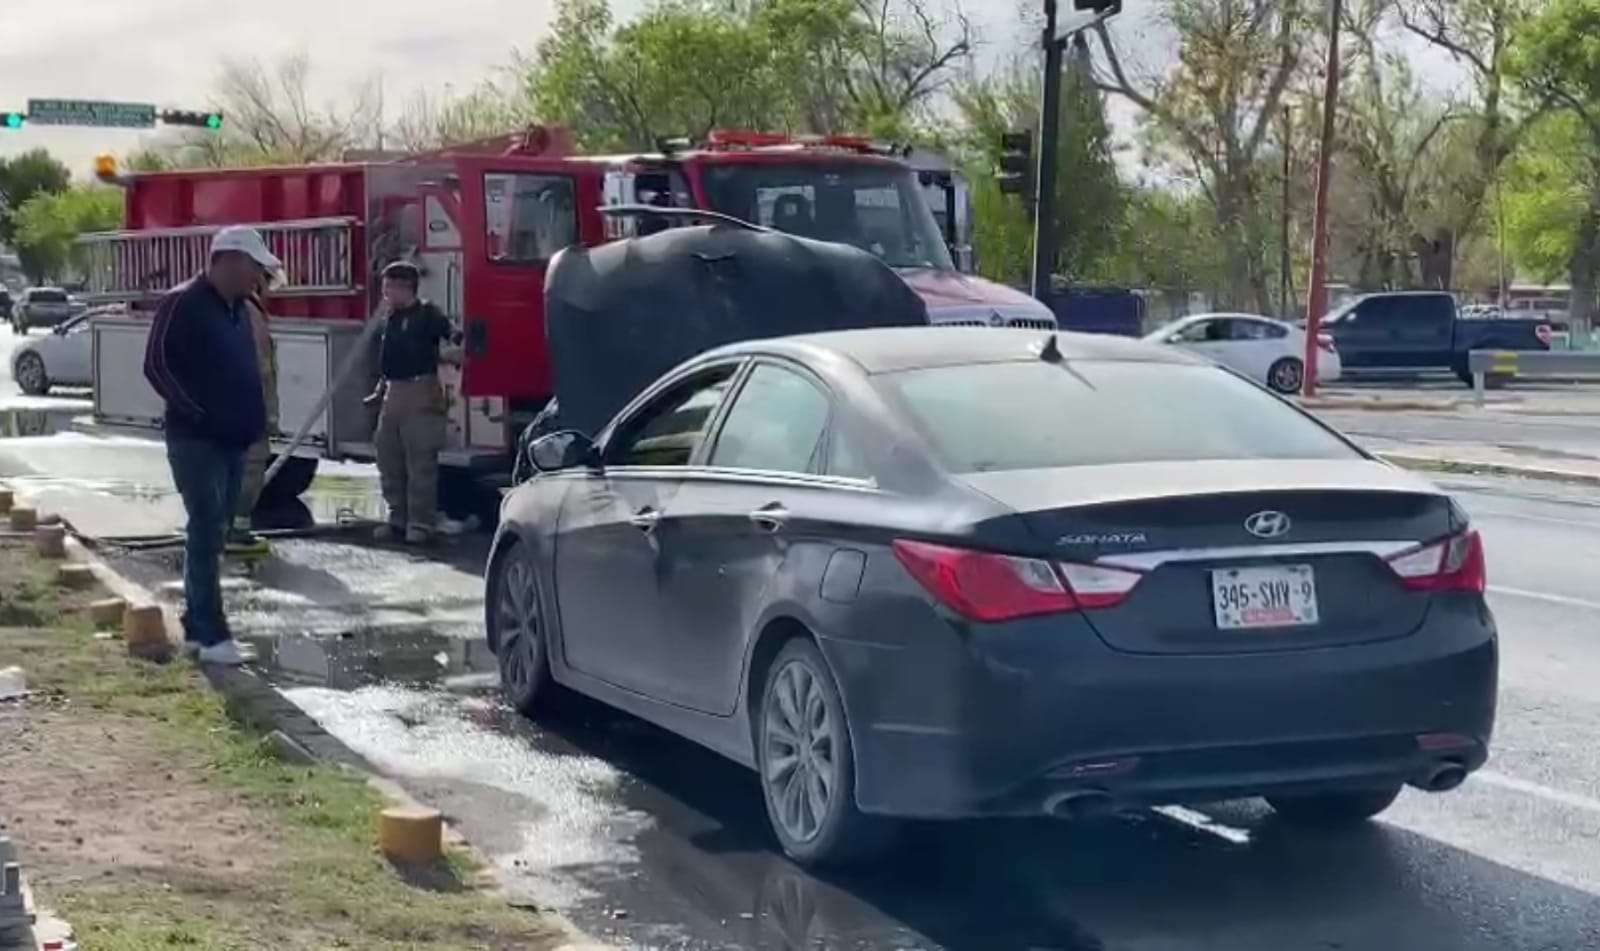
pixel 246 240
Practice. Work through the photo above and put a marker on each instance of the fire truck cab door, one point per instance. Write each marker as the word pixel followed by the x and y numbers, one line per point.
pixel 518 212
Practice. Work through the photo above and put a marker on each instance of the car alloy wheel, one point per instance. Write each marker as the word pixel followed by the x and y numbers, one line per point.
pixel 1286 375
pixel 802 752
pixel 31 376
pixel 519 634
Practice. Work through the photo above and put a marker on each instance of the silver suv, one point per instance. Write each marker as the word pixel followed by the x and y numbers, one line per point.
pixel 41 307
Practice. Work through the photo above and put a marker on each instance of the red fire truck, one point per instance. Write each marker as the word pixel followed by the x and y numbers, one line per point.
pixel 482 220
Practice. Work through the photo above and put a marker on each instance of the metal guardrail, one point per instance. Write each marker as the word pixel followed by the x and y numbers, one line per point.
pixel 1503 364
pixel 133 265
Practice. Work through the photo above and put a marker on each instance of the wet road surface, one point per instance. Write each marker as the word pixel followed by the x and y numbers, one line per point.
pixel 650 841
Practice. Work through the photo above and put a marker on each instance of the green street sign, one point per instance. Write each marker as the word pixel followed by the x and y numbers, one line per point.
pixel 89 112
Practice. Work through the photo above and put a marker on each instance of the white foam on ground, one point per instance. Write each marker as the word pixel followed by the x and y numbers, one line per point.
pixel 572 820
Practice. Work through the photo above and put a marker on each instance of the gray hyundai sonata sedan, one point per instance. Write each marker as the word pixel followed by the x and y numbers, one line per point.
pixel 943 573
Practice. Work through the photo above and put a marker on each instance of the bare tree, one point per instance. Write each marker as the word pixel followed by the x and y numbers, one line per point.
pixel 270 118
pixel 1212 112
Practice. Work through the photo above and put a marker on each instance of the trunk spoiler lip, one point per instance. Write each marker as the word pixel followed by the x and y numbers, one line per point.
pixel 1151 560
pixel 1092 485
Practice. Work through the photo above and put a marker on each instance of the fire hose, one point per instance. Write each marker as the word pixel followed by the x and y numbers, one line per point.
pixel 351 360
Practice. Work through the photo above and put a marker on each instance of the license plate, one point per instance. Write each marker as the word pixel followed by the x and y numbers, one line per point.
pixel 1280 596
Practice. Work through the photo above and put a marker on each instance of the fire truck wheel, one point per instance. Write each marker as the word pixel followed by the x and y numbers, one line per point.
pixel 289 484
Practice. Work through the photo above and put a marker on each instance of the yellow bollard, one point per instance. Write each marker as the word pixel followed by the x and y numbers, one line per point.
pixel 145 632
pixel 107 614
pixel 24 519
pixel 76 577
pixel 412 835
pixel 51 541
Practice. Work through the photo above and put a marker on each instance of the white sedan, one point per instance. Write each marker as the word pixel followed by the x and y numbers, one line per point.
pixel 1268 351
pixel 59 358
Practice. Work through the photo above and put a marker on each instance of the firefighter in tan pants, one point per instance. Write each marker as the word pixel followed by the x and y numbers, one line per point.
pixel 411 424
pixel 255 459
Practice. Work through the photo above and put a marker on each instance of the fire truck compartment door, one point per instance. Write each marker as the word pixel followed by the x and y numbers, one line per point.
pixel 518 213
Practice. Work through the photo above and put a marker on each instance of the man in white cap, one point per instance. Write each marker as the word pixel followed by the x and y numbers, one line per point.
pixel 201 358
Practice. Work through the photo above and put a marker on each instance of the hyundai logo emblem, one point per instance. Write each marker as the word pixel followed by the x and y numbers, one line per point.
pixel 1267 524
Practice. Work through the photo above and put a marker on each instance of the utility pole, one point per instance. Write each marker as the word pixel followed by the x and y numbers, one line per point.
pixel 1317 302
pixel 1045 228
pixel 1285 262
pixel 1044 218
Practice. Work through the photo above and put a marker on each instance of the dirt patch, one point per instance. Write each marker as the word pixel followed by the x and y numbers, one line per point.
pixel 93 795
pixel 149 820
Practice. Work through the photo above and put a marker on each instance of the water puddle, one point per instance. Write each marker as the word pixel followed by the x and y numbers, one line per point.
pixel 22 423
pixel 366 656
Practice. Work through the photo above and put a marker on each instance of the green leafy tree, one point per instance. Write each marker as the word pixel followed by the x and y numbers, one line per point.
pixel 1549 186
pixel 1556 61
pixel 31 173
pixel 685 67
pixel 1478 35
pixel 48 223
pixel 1090 196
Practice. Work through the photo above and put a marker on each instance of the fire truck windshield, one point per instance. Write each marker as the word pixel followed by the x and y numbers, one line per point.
pixel 878 208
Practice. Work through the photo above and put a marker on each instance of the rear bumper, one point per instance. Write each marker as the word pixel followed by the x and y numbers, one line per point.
pixel 1008 719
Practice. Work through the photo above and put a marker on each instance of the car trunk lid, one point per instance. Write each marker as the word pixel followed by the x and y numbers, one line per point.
pixel 1201 532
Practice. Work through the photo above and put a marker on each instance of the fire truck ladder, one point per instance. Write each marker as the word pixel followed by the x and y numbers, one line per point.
pixel 136 265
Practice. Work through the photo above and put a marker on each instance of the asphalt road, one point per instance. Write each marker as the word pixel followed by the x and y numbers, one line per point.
pixel 649 841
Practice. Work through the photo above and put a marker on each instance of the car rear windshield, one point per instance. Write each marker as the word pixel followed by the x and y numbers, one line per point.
pixel 1000 416
pixel 48 297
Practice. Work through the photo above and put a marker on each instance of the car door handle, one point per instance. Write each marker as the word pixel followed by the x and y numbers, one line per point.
pixel 770 518
pixel 645 519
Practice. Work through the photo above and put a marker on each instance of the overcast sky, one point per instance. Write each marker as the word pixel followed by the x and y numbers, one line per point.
pixel 167 52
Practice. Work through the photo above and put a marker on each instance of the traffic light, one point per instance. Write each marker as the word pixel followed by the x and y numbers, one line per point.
pixel 12 120
pixel 105 167
pixel 201 120
pixel 1016 163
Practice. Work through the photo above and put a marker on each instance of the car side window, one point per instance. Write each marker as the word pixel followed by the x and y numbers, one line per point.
pixel 1377 312
pixel 775 425
pixel 668 431
pixel 1195 333
pixel 845 458
pixel 1254 330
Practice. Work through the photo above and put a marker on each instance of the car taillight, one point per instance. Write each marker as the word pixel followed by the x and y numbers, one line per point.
pixel 982 586
pixel 1325 343
pixel 1455 564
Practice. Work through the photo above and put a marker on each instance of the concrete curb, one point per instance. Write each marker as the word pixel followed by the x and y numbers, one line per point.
pixel 1475 467
pixel 254 703
pixel 1383 406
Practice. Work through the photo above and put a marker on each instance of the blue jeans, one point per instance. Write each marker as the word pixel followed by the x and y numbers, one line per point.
pixel 207 476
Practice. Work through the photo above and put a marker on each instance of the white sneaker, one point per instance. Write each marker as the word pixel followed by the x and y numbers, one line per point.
pixel 225 654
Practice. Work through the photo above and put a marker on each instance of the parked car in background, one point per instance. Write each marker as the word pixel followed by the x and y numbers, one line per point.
pixel 1416 331
pixel 41 307
pixel 1268 351
pixel 62 357
pixel 946 573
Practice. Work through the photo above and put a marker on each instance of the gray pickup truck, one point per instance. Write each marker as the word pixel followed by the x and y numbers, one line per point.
pixel 1420 331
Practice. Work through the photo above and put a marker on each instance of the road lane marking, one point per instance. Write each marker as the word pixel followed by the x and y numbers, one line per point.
pixel 1541 596
pixel 1501 780
pixel 1203 823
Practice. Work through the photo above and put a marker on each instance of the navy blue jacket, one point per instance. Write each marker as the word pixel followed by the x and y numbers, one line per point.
pixel 201 359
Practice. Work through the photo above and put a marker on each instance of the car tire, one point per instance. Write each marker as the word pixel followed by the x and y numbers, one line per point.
pixel 30 374
pixel 1286 375
pixel 289 484
pixel 1334 809
pixel 807 764
pixel 517 632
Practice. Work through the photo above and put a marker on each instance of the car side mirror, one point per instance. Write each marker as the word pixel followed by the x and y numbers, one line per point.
pixel 566 449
